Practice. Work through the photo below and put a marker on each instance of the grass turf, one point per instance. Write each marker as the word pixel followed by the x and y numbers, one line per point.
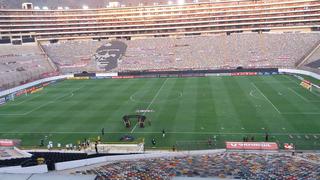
pixel 189 109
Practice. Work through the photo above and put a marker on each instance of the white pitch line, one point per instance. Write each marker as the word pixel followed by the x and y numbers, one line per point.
pixel 251 94
pixel 292 80
pixel 28 99
pixel 315 94
pixel 154 98
pixel 272 82
pixel 43 105
pixel 266 97
pixel 299 113
pixel 298 95
pixel 171 132
pixel 299 85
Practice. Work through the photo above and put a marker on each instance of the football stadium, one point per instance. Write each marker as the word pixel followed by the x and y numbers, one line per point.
pixel 158 89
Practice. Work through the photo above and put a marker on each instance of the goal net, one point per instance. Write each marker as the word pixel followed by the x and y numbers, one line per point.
pixel 306 84
pixel 315 89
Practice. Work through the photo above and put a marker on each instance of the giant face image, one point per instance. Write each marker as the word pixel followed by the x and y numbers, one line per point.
pixel 108 55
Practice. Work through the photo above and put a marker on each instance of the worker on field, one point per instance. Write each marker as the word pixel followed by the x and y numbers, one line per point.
pixel 267 137
pixel 163 133
pixel 41 142
pixel 102 131
pixel 209 141
pixel 153 141
pixel 96 147
pixel 252 138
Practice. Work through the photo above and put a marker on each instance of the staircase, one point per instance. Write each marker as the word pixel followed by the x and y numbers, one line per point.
pixel 54 67
pixel 308 55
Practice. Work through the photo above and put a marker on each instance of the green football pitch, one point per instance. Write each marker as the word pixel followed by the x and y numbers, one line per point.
pixel 190 110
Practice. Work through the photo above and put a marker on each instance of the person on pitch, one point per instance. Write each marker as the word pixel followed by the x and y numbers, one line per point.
pixel 153 141
pixel 163 133
pixel 96 147
pixel 102 131
pixel 210 141
pixel 267 137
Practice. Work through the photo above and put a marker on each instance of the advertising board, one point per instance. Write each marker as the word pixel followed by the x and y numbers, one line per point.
pixel 252 146
pixel 2 100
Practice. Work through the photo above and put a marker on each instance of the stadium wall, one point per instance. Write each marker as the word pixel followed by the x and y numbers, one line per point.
pixel 105 159
pixel 198 73
pixel 303 72
pixel 23 170
pixel 55 78
pixel 28 85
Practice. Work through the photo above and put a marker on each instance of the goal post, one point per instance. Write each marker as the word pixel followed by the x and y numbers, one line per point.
pixel 310 86
pixel 306 84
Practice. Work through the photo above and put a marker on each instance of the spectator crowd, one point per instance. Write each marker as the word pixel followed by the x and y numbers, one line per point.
pixel 23 63
pixel 237 165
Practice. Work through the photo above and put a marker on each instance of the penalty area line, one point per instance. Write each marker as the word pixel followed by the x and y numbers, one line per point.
pixel 71 93
pixel 301 113
pixel 265 97
pixel 299 95
pixel 299 85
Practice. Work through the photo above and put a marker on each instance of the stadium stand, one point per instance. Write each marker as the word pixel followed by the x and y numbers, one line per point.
pixel 12 153
pixel 311 157
pixel 153 36
pixel 22 63
pixel 235 165
pixel 73 56
pixel 85 55
pixel 12 156
pixel 53 157
pixel 312 61
pixel 226 165
pixel 77 4
pixel 166 28
pixel 159 21
pixel 19 157
pixel 17 162
pixel 251 50
pixel 215 52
